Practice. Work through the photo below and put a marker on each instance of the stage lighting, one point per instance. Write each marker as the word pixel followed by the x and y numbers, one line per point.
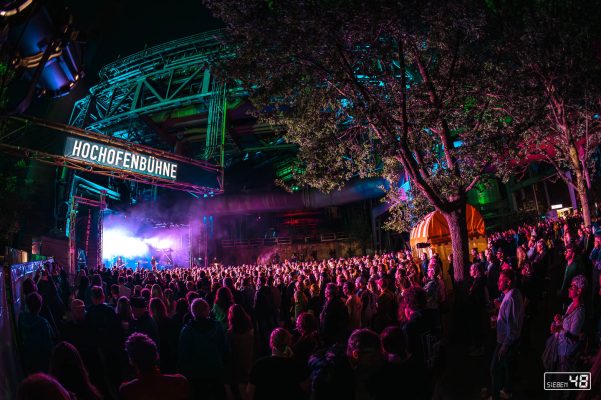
pixel 119 243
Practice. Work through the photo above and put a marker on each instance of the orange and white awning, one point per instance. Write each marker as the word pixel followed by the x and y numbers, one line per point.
pixel 433 228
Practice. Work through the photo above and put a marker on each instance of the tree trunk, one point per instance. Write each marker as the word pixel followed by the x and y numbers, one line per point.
pixel 456 219
pixel 460 245
pixel 581 184
pixel 583 196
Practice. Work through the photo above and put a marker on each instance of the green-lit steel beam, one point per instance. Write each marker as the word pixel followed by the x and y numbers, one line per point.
pixel 167 77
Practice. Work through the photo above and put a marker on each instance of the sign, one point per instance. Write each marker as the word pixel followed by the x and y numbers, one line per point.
pixel 91 152
pixel 110 156
pixel 567 381
pixel 556 206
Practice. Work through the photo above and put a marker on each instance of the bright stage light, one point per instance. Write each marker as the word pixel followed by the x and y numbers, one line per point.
pixel 160 243
pixel 117 242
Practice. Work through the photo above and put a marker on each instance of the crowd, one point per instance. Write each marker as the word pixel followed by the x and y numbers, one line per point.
pixel 353 328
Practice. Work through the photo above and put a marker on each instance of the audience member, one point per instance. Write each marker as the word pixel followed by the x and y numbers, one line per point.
pixel 35 336
pixel 202 352
pixel 68 368
pixel 150 383
pixel 240 342
pixel 41 387
pixel 509 328
pixel 278 375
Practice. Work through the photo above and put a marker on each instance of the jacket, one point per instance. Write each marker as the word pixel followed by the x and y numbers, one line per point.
pixel 202 350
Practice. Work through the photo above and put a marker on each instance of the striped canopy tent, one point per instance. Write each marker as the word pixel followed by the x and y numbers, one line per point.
pixel 433 228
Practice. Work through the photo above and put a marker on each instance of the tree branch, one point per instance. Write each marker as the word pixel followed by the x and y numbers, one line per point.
pixel 444 134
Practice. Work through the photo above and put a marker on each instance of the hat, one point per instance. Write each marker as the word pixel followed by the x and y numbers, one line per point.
pixel 137 302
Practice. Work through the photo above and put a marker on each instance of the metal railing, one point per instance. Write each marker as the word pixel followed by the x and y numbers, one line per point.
pixel 285 240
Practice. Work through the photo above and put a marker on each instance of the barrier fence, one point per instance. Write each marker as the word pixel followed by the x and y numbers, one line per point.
pixel 9 366
pixel 11 283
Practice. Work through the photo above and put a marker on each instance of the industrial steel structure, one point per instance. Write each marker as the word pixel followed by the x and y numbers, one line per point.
pixel 171 80
pixel 168 98
pixel 75 202
pixel 24 136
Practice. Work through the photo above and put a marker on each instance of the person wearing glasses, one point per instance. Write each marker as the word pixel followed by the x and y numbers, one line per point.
pixel 573 268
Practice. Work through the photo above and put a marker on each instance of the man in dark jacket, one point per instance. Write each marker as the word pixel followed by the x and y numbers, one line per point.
pixel 47 289
pixel 492 274
pixel 279 375
pixel 573 268
pixel 334 317
pixel 143 323
pixel 202 353
pixel 106 335
pixel 102 320
pixel 35 336
pixel 386 306
pixel 265 314
pixel 420 328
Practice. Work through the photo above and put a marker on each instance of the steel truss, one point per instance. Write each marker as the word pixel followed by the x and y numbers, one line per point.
pixel 85 166
pixel 74 203
pixel 165 77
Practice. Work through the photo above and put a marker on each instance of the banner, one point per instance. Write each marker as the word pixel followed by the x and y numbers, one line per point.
pixel 101 154
pixel 94 153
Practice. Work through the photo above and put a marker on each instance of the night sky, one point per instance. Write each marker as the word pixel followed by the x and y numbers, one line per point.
pixel 110 29
pixel 120 28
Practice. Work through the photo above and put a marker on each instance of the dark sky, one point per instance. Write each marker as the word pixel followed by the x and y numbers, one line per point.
pixel 118 28
pixel 111 29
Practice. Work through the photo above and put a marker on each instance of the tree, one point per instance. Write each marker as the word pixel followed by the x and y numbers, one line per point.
pixel 557 50
pixel 380 87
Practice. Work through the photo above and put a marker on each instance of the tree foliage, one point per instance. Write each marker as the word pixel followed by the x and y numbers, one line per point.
pixel 340 75
pixel 556 48
pixel 363 85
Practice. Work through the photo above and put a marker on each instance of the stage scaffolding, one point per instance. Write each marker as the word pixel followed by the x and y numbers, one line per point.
pixel 75 202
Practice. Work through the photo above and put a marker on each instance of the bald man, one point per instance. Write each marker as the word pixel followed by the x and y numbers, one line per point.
pixel 202 352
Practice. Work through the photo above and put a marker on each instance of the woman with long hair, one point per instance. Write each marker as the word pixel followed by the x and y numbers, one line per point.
pixel 83 291
pixel 224 299
pixel 240 337
pixel 157 292
pixel 124 313
pixel 169 302
pixel 68 368
pixel 157 309
pixel 167 335
pixel 308 340
pixel 300 299
pixel 521 256
pixel 181 308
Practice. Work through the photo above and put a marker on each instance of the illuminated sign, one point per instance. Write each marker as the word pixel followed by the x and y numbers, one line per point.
pixel 119 158
pixel 556 206
pixel 58 144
